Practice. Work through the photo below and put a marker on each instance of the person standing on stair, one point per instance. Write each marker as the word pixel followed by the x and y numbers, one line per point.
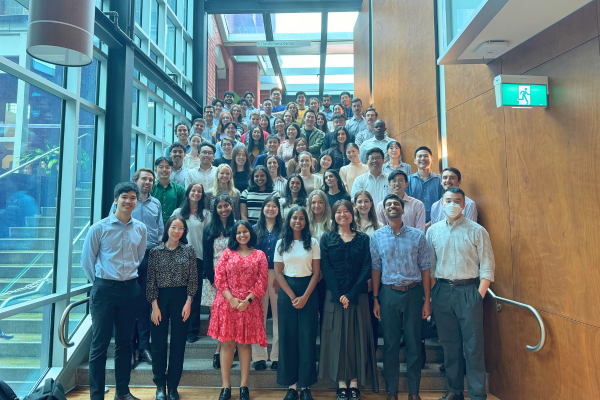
pixel 172 284
pixel 462 268
pixel 241 278
pixel 149 212
pixel 112 252
pixel 400 257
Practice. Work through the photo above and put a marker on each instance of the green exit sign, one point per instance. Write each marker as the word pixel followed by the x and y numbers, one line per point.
pixel 521 91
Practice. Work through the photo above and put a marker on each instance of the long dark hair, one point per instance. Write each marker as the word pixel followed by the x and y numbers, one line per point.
pixel 325 128
pixel 261 225
pixel 289 200
pixel 232 243
pixel 185 206
pixel 278 166
pixel 253 187
pixel 251 141
pixel 215 228
pixel 335 173
pixel 247 166
pixel 183 238
pixel 268 128
pixel 287 234
pixel 334 142
pixel 329 153
pixel 350 207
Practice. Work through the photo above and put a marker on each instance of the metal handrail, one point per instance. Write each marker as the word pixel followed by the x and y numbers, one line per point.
pixel 63 320
pixel 537 315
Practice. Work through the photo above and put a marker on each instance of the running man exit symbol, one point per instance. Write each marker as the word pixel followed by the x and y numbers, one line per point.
pixel 524 95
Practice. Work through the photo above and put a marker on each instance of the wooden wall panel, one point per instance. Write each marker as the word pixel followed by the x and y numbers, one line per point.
pixel 554 190
pixel 362 21
pixel 425 134
pixel 464 82
pixel 362 74
pixel 386 65
pixel 476 146
pixel 561 37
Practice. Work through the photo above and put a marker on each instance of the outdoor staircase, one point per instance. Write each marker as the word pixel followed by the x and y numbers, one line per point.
pixel 26 258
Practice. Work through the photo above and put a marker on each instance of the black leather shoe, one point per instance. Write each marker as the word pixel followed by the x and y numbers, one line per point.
pixel 173 394
pixel 274 365
pixel 423 354
pixel 342 394
pixel 402 341
pixel 354 394
pixel 127 396
pixel 192 338
pixel 244 393
pixel 225 394
pixel 305 394
pixel 453 396
pixel 260 365
pixel 292 394
pixel 6 336
pixel 235 355
pixel 146 356
pixel 161 393
pixel 217 361
pixel 134 361
pixel 442 369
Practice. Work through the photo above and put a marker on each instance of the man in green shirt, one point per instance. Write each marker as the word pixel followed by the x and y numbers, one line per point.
pixel 170 194
pixel 313 136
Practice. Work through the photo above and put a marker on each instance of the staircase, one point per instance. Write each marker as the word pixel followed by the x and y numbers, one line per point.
pixel 26 258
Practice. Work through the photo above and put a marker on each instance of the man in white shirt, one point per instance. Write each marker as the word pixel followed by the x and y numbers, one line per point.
pixel 380 140
pixel 211 124
pixel 357 123
pixel 177 153
pixel 374 181
pixel 205 174
pixel 451 177
pixel 414 209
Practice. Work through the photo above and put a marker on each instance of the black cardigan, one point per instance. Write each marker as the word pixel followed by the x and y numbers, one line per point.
pixel 346 267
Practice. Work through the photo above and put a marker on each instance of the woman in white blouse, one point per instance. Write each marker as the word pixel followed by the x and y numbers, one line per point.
pixel 364 212
pixel 311 181
pixel 192 160
pixel 349 172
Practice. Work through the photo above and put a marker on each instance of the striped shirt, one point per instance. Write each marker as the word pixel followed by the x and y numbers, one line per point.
pixel 279 185
pixel 254 202
pixel 401 258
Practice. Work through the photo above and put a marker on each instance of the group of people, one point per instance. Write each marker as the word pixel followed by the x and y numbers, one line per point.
pixel 336 239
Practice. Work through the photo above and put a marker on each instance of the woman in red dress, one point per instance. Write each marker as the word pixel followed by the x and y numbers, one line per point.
pixel 241 278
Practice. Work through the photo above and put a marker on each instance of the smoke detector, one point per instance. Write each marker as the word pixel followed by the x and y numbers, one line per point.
pixel 492 49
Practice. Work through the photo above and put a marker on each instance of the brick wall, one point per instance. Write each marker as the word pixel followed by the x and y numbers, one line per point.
pixel 264 94
pixel 247 78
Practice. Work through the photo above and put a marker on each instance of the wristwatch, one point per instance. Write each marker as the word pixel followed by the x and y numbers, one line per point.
pixel 375 297
pixel 249 300
pixel 189 299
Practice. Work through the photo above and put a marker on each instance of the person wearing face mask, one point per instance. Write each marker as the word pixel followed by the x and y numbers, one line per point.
pixel 462 268
pixel 451 177
pixel 425 184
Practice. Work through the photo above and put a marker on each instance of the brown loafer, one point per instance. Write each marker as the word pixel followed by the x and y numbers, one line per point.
pixel 414 397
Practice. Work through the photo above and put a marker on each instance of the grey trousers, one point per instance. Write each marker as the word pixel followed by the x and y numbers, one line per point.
pixel 459 317
pixel 401 311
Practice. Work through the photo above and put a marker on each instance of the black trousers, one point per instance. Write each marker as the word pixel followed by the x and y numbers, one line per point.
pixel 374 320
pixel 194 329
pixel 140 337
pixel 111 306
pixel 170 303
pixel 321 290
pixel 297 336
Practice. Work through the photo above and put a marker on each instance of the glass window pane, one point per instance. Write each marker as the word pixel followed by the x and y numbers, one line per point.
pixel 153 57
pixel 184 59
pixel 132 155
pixel 30 128
pixel 296 26
pixel 245 24
pixel 135 107
pixel 169 125
pixel 307 61
pixel 77 314
pixel 171 50
pixel 458 15
pixel 151 116
pixel 89 81
pixel 138 12
pixel 149 154
pixel 299 79
pixel 339 60
pixel 185 14
pixel 341 22
pixel 154 21
pixel 339 78
pixel 173 5
pixel 25 358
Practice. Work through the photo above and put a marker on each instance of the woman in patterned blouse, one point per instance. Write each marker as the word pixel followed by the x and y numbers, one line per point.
pixel 172 284
pixel 241 278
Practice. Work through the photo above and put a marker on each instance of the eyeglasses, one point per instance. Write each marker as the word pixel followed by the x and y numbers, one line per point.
pixel 375 159
pixel 207 153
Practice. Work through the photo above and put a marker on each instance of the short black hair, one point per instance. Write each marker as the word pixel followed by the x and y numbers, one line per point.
pixel 209 106
pixel 393 142
pixel 229 93
pixel 454 171
pixel 427 149
pixel 375 150
pixel 267 99
pixel 233 244
pixel 338 116
pixel 274 90
pixel 242 100
pixel 299 93
pixel 183 238
pixel 249 93
pixel 372 109
pixel 395 173
pixel 356 100
pixel 343 93
pixel 177 144
pixel 325 95
pixel 161 159
pixel 308 110
pixel 206 144
pixel 274 137
pixel 215 101
pixel 395 197
pixel 455 189
pixel 126 187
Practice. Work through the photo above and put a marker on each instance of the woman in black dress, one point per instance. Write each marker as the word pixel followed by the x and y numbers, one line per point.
pixel 347 341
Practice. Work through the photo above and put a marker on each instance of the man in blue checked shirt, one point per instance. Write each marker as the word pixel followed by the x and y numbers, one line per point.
pixel 401 261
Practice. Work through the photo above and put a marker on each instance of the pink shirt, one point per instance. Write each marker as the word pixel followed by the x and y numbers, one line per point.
pixel 414 213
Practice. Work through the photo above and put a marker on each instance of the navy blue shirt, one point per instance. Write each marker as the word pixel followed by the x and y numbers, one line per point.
pixel 267 246
pixel 262 160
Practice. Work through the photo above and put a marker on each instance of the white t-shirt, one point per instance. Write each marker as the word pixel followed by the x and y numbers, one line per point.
pixel 297 262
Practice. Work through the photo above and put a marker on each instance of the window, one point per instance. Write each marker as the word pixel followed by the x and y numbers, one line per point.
pixel 151 116
pixel 171 42
pixel 154 21
pixel 173 5
pixel 90 80
pixel 296 26
pixel 135 108
pixel 132 156
pixel 138 12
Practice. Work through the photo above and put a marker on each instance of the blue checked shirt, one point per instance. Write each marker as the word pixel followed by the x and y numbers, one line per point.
pixel 401 258
pixel 428 191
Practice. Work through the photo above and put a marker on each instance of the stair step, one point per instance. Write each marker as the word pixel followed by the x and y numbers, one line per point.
pixel 15 369
pixel 31 323
pixel 35 232
pixel 21 282
pixel 51 221
pixel 200 373
pixel 35 271
pixel 27 256
pixel 35 244
pixel 78 212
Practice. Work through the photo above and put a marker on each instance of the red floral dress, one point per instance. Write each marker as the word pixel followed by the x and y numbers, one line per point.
pixel 241 276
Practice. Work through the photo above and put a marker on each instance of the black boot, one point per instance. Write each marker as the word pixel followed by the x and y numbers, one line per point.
pixel 161 393
pixel 134 359
pixel 217 361
pixel 173 394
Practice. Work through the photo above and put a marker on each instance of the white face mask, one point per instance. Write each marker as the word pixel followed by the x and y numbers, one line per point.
pixel 452 210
